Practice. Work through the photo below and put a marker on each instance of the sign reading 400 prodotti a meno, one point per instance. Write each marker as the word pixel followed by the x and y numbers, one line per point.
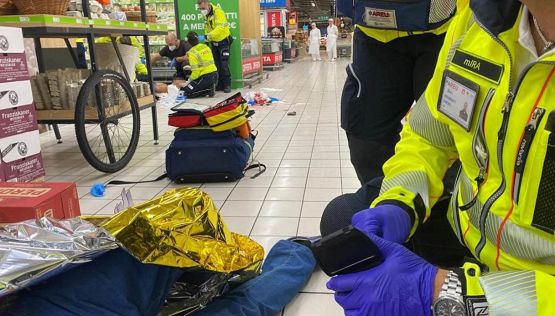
pixel 190 19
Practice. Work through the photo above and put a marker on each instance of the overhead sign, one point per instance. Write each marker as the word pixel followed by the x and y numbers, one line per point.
pixel 273 19
pixel 273 3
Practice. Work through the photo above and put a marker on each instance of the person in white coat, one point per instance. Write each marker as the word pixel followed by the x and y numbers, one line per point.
pixel 331 42
pixel 314 42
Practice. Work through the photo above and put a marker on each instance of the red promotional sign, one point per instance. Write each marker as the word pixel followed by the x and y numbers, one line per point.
pixel 273 18
pixel 272 59
pixel 251 65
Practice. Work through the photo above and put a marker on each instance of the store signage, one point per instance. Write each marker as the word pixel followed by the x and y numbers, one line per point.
pixel 273 18
pixel 272 59
pixel 292 18
pixel 323 18
pixel 273 3
pixel 251 65
pixel 190 19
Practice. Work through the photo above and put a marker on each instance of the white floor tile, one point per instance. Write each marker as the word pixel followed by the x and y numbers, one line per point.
pixel 289 182
pixel 308 304
pixel 324 173
pixel 248 194
pixel 239 225
pixel 241 208
pixel 281 209
pixel 309 227
pixel 218 193
pixel 298 163
pixel 285 194
pixel 292 172
pixel 267 242
pixel 324 183
pixel 321 195
pixel 276 226
pixel 258 182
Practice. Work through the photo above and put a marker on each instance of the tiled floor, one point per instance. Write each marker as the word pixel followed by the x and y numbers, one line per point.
pixel 307 159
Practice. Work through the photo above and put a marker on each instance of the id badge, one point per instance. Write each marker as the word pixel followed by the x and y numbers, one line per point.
pixel 458 99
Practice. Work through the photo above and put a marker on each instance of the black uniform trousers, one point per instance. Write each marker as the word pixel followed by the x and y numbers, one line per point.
pixel 221 52
pixel 383 82
pixel 202 86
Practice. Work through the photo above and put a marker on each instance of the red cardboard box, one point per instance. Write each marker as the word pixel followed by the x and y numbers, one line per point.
pixel 23 201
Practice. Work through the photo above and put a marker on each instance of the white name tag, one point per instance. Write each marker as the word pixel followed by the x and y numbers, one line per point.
pixel 380 18
pixel 458 99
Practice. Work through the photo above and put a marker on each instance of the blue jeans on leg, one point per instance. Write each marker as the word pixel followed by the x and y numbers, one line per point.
pixel 286 270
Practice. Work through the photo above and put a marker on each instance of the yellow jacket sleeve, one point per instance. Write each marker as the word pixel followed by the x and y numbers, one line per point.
pixel 524 292
pixel 221 26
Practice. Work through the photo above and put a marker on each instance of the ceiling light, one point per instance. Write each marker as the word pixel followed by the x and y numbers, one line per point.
pixel 313 4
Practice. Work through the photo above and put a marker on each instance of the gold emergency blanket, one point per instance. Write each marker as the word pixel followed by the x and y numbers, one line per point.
pixel 183 229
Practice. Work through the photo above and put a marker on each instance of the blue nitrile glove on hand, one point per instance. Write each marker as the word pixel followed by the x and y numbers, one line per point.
pixel 173 63
pixel 201 38
pixel 402 285
pixel 388 221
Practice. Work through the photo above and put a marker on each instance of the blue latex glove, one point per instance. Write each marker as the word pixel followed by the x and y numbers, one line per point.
pixel 387 221
pixel 201 38
pixel 402 285
pixel 173 63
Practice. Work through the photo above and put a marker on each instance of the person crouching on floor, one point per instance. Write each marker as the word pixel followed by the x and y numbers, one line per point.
pixel 204 76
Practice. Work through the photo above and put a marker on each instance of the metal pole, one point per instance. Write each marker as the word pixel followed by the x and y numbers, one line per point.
pixel 149 75
pixel 42 69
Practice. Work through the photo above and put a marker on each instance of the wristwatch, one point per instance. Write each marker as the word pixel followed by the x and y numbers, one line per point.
pixel 450 301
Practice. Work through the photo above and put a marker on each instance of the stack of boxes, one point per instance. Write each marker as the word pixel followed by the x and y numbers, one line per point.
pixel 20 152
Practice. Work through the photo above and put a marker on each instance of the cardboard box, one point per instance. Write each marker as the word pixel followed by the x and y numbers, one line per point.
pixel 11 40
pixel 24 170
pixel 17 93
pixel 18 120
pixel 23 201
pixel 21 157
pixel 17 110
pixel 13 67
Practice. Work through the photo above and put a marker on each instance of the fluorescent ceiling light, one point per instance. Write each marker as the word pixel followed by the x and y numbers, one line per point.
pixel 313 4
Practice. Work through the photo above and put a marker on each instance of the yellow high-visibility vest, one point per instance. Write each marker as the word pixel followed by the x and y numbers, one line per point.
pixel 479 109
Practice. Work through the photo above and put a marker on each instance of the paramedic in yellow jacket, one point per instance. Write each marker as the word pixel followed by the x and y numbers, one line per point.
pixel 204 74
pixel 395 49
pixel 218 35
pixel 498 61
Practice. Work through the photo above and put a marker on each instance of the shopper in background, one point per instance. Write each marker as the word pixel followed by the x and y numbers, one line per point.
pixel 204 76
pixel 218 34
pixel 395 49
pixel 176 51
pixel 498 62
pixel 331 42
pixel 314 42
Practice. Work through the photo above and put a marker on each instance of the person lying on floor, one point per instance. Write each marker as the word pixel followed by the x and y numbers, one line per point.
pixel 117 284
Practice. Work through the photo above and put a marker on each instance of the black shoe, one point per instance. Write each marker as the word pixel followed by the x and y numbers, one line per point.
pixel 212 92
pixel 227 90
pixel 305 241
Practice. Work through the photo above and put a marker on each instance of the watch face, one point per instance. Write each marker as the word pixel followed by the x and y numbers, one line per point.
pixel 448 307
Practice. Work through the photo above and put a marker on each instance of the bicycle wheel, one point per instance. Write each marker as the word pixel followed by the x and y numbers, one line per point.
pixel 107 121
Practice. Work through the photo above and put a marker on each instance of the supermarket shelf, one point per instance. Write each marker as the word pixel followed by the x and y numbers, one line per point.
pixel 68 116
pixel 64 26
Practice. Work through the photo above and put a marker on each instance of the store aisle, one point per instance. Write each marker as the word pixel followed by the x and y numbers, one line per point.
pixel 307 158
